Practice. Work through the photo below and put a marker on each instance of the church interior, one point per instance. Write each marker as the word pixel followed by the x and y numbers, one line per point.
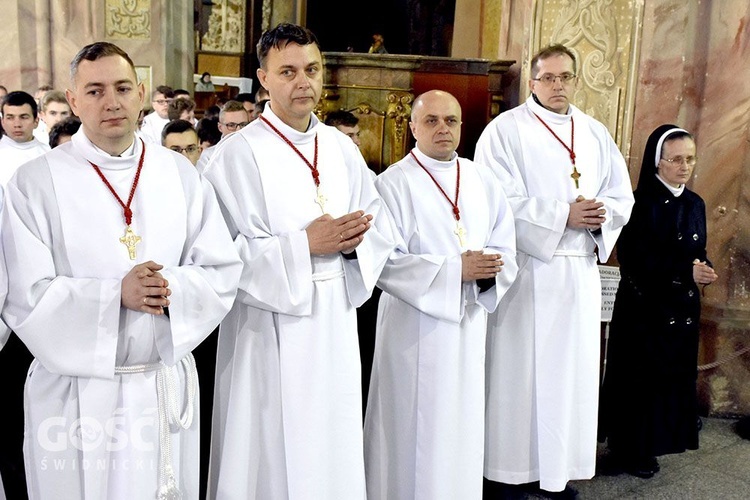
pixel 641 64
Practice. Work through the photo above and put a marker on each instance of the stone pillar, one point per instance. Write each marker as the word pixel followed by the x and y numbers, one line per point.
pixel 26 63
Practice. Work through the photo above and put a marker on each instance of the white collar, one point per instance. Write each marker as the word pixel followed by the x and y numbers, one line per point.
pixel 101 158
pixel 547 115
pixel 33 143
pixel 676 191
pixel 432 162
pixel 292 134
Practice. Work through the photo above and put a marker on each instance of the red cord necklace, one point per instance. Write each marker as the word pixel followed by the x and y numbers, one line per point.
pixel 320 199
pixel 130 239
pixel 575 175
pixel 459 231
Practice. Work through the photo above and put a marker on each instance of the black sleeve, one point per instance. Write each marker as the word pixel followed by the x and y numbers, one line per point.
pixel 485 284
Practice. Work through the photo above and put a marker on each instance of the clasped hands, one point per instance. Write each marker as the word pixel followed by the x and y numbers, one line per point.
pixel 327 235
pixel 144 289
pixel 475 264
pixel 586 214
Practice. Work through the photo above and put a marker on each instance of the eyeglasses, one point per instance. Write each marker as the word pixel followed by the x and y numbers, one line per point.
pixel 679 160
pixel 189 149
pixel 549 79
pixel 162 102
pixel 235 126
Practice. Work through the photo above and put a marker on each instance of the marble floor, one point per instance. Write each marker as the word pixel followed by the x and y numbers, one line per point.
pixel 720 469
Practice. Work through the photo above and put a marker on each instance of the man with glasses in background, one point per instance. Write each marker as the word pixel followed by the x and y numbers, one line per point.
pixel 233 117
pixel 571 195
pixel 154 122
pixel 180 136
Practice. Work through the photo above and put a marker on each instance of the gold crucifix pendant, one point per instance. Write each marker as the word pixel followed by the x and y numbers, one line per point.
pixel 321 200
pixel 575 175
pixel 130 240
pixel 461 233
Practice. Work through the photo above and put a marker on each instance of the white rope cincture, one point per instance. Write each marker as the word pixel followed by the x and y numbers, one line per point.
pixel 328 275
pixel 169 413
pixel 573 253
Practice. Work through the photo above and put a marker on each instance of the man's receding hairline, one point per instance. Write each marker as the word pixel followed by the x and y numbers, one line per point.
pixel 419 103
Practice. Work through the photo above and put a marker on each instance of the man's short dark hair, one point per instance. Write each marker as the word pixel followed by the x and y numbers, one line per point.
pixel 280 36
pixel 176 127
pixel 65 127
pixel 19 98
pixel 244 97
pixel 164 90
pixel 260 106
pixel 179 106
pixel 555 49
pixel 341 117
pixel 95 51
pixel 177 92
pixel 212 112
pixel 208 130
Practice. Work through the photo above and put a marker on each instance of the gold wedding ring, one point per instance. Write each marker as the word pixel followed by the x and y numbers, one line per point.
pixel 341 235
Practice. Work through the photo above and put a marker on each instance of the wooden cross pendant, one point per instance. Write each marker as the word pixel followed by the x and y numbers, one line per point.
pixel 461 233
pixel 575 175
pixel 130 240
pixel 321 200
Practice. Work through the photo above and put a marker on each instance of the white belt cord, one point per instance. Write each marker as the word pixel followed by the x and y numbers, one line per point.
pixel 328 275
pixel 169 413
pixel 573 253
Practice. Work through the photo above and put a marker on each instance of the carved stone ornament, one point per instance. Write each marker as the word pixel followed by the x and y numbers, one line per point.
pixel 128 19
pixel 399 110
pixel 226 27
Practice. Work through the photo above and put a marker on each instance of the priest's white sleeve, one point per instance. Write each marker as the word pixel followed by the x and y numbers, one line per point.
pixel 362 273
pixel 204 284
pixel 4 330
pixel 616 193
pixel 69 324
pixel 431 281
pixel 540 222
pixel 278 267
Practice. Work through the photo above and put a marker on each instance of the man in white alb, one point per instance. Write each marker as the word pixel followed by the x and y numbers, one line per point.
pixel 154 122
pixel 18 145
pixel 4 330
pixel 232 117
pixel 119 264
pixel 53 108
pixel 312 232
pixel 571 195
pixel 454 260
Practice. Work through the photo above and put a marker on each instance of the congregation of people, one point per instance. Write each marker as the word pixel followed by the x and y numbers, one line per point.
pixel 228 303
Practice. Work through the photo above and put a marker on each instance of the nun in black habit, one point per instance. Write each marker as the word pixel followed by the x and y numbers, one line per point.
pixel 648 404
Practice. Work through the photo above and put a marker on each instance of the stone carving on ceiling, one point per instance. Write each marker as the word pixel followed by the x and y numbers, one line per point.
pixel 128 19
pixel 226 27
